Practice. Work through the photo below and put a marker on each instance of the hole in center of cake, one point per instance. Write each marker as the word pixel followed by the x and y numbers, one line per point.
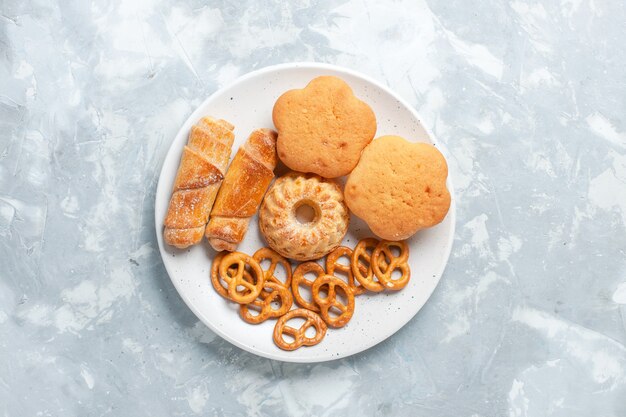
pixel 306 213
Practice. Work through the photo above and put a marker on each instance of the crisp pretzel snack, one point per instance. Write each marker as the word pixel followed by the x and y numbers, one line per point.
pixel 382 255
pixel 365 275
pixel 275 260
pixel 329 284
pixel 300 339
pixel 277 293
pixel 220 286
pixel 232 270
pixel 333 265
pixel 299 279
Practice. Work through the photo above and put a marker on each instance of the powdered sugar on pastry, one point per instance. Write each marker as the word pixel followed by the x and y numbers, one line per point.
pixel 309 239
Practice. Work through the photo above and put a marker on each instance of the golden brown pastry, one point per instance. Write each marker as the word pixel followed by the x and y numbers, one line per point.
pixel 303 240
pixel 247 179
pixel 323 127
pixel 399 187
pixel 199 176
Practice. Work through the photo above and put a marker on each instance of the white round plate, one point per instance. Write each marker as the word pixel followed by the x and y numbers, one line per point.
pixel 247 103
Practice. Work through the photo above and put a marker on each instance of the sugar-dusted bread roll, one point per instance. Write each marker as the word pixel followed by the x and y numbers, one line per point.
pixel 247 179
pixel 399 187
pixel 200 174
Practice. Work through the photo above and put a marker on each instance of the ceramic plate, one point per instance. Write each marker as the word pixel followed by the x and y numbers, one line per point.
pixel 247 104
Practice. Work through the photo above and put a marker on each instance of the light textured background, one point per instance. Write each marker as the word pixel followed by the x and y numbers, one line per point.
pixel 529 97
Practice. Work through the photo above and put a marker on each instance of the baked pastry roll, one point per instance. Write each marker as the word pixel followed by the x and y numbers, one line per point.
pixel 199 177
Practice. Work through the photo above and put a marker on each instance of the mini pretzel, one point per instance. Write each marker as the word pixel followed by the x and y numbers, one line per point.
pixel 384 263
pixel 299 337
pixel 220 286
pixel 333 265
pixel 275 259
pixel 329 283
pixel 277 293
pixel 365 276
pixel 232 270
pixel 299 279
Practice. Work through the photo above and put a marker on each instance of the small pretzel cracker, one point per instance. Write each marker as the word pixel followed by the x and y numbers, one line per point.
pixel 275 260
pixel 332 265
pixel 232 269
pixel 278 293
pixel 300 279
pixel 298 335
pixel 329 284
pixel 384 263
pixel 240 278
pixel 362 273
pixel 221 287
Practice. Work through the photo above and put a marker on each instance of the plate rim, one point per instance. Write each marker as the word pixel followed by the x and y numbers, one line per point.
pixel 322 66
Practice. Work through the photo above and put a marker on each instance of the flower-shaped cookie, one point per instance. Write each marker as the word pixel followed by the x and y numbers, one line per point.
pixel 399 187
pixel 323 127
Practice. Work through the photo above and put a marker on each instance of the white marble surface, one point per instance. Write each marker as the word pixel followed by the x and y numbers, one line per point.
pixel 529 97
